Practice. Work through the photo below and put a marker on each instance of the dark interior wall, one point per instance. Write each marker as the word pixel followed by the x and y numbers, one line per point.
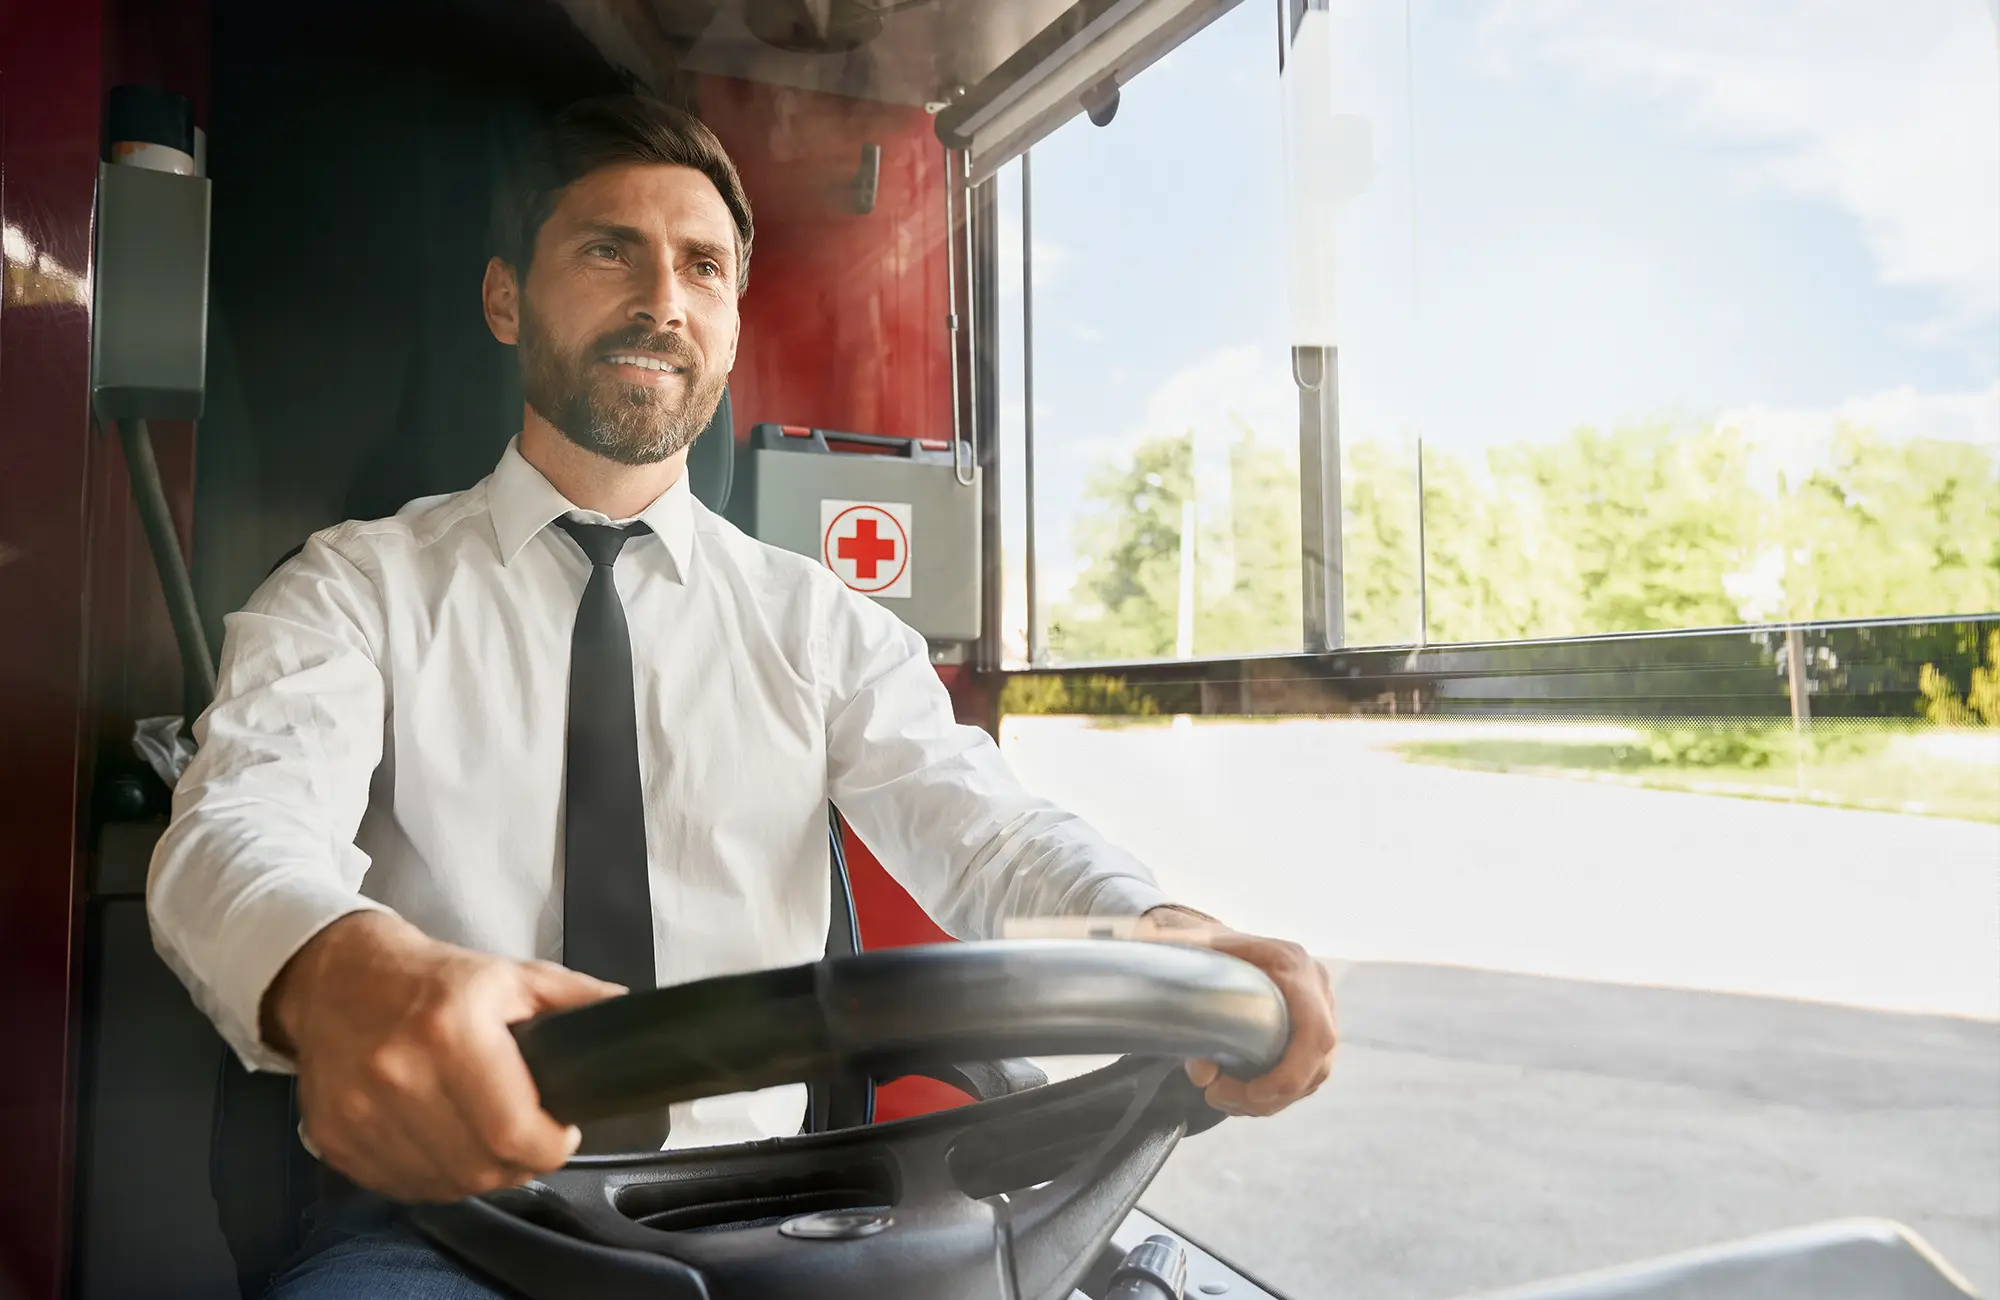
pixel 87 649
pixel 50 86
pixel 354 154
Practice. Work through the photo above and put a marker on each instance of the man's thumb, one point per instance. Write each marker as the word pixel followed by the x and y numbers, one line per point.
pixel 556 987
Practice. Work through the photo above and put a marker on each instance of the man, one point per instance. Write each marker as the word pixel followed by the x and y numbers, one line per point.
pixel 567 733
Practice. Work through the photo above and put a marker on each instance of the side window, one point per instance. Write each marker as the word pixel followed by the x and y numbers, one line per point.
pixel 1164 422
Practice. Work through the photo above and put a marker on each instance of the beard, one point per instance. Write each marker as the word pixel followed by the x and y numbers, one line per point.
pixel 632 424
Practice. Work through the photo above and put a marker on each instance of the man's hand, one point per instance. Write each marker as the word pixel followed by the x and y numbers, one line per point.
pixel 410 1083
pixel 1308 991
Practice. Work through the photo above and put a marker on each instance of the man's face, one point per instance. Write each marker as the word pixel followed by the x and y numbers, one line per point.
pixel 627 323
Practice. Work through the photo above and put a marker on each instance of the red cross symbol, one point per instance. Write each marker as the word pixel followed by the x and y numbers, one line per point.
pixel 866 549
pixel 868 546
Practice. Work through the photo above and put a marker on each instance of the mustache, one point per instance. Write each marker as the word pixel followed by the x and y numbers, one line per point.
pixel 637 338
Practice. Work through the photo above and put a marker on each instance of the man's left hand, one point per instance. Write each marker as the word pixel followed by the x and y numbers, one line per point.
pixel 1308 991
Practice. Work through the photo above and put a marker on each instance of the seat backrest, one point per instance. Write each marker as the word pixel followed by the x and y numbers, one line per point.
pixel 711 462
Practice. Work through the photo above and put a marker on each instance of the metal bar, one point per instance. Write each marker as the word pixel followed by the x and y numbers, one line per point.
pixel 197 665
pixel 1417 307
pixel 1035 654
pixel 951 307
pixel 1722 673
pixel 983 369
pixel 981 327
pixel 1315 371
pixel 1423 559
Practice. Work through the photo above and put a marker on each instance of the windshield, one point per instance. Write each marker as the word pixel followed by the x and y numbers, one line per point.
pixel 1642 319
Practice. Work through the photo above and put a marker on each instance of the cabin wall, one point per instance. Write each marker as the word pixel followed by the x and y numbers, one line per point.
pixel 844 322
pixel 50 78
pixel 87 647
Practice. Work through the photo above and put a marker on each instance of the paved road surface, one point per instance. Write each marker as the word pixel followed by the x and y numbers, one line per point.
pixel 1310 828
pixel 1486 1128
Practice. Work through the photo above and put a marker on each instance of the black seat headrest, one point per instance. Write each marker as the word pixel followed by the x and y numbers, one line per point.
pixel 711 462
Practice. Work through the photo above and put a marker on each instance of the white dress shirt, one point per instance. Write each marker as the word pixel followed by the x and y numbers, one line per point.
pixel 388 732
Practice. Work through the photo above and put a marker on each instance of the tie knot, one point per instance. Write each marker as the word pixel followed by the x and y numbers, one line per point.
pixel 601 542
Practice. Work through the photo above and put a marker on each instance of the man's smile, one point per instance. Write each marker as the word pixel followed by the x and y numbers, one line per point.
pixel 644 368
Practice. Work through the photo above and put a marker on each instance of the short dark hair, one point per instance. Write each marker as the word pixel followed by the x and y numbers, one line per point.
pixel 607 132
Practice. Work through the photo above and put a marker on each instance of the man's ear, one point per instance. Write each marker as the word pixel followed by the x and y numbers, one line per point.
pixel 500 294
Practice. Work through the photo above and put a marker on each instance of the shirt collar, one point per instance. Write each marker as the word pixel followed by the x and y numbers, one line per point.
pixel 523 503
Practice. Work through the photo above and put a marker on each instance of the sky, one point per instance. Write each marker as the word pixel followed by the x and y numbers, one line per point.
pixel 1568 213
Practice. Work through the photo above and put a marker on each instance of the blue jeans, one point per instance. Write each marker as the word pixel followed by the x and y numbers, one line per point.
pixel 362 1247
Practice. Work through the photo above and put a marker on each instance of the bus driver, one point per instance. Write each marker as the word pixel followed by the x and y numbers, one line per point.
pixel 420 720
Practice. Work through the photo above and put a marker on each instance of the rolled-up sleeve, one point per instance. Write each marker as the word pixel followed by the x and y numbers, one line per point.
pixel 259 855
pixel 935 801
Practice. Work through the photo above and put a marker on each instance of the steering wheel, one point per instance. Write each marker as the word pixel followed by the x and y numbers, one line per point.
pixel 1004 1199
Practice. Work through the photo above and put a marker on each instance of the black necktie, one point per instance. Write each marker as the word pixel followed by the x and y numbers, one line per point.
pixel 607 900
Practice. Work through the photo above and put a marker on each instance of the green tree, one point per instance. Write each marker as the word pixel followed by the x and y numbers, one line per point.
pixel 1639 528
pixel 1979 705
pixel 1126 602
pixel 1891 528
pixel 1654 522
pixel 1379 543
pixel 1127 542
pixel 1620 531
pixel 1495 569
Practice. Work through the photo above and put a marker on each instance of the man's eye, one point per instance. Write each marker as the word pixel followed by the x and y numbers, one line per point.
pixel 602 250
pixel 707 269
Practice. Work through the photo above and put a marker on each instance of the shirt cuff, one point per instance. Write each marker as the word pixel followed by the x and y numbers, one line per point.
pixel 274 925
pixel 1125 896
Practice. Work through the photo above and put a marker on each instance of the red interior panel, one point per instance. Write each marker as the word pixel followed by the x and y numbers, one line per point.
pixel 844 322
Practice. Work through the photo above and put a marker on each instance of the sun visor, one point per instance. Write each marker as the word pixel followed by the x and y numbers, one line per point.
pixel 1075 65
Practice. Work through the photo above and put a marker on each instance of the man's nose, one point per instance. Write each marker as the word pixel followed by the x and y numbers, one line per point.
pixel 660 300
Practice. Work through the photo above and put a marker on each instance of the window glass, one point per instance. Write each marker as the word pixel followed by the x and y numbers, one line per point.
pixel 1648 317
pixel 1165 419
pixel 1651 317
pixel 1706 315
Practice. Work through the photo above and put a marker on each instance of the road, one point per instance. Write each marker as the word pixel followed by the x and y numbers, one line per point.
pixel 1582 1023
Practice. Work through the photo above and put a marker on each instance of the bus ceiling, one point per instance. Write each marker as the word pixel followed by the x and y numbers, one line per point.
pixel 999 76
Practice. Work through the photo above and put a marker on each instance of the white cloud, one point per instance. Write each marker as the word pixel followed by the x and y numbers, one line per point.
pixel 1891 110
pixel 1212 395
pixel 1796 441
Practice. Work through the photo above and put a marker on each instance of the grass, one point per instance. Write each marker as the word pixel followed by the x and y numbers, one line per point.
pixel 1884 768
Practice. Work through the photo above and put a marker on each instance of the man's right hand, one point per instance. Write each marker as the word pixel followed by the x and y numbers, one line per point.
pixel 409 1081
